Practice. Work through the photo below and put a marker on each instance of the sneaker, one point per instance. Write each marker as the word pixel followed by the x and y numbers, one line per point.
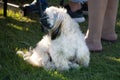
pixel 85 8
pixel 77 15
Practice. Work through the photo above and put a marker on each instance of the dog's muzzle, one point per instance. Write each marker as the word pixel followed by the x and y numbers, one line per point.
pixel 44 21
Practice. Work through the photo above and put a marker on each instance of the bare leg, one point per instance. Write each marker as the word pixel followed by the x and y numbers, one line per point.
pixel 74 6
pixel 108 32
pixel 96 14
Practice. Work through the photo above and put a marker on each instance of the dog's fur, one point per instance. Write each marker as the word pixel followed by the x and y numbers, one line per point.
pixel 67 49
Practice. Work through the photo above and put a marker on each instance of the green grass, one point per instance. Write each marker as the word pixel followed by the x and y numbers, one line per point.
pixel 17 32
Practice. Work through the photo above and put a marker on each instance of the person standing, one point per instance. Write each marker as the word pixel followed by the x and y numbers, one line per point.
pixel 102 18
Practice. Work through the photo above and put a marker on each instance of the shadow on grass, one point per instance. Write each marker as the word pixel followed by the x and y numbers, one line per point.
pixel 15 34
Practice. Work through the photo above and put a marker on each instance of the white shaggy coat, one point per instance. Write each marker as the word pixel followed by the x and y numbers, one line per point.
pixel 68 50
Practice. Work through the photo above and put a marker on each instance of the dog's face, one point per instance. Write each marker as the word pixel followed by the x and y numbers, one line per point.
pixel 50 16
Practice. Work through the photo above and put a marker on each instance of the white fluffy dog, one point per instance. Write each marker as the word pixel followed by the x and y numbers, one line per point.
pixel 63 47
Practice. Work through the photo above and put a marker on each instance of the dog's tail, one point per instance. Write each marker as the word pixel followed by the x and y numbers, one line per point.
pixel 30 58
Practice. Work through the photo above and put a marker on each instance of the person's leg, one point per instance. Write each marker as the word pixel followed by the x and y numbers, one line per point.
pixel 108 32
pixel 96 12
pixel 76 4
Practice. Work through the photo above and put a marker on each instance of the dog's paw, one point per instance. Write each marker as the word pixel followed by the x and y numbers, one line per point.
pixel 50 66
pixel 20 53
pixel 74 65
pixel 63 68
pixel 25 55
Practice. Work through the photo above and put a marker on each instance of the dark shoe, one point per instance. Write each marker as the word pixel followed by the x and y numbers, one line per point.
pixel 77 15
pixel 85 8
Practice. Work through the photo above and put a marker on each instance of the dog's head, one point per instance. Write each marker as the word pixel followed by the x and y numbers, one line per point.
pixel 52 20
pixel 52 16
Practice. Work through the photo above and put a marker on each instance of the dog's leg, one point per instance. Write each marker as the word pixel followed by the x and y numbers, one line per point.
pixel 31 57
pixel 59 60
pixel 73 65
pixel 83 56
pixel 39 55
pixel 50 66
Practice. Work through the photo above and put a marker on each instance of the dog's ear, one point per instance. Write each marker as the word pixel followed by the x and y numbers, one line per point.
pixel 55 14
pixel 56 32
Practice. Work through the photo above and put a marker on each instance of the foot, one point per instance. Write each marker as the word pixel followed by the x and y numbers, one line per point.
pixel 94 45
pixel 109 37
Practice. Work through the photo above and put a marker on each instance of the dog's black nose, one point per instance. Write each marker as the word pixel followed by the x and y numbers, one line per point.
pixel 44 21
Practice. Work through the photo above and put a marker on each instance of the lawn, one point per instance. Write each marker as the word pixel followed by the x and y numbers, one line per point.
pixel 18 32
